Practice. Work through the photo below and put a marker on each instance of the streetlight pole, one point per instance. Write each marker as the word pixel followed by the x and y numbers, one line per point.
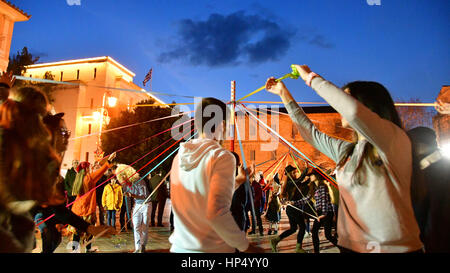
pixel 99 140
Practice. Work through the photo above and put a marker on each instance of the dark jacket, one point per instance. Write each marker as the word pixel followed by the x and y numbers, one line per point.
pixel 161 192
pixel 68 180
pixel 258 194
pixel 239 204
pixel 433 211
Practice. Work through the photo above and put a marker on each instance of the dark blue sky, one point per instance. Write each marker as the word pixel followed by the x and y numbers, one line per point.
pixel 197 47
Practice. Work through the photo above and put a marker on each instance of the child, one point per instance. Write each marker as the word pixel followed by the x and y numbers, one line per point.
pixel 112 199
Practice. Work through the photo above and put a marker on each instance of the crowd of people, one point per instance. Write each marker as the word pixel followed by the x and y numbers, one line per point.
pixel 391 193
pixel 34 195
pixel 392 184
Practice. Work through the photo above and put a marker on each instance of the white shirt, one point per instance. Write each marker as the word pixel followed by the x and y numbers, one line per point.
pixel 202 184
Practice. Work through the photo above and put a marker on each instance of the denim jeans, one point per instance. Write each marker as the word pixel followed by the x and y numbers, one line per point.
pixel 111 218
pixel 327 223
pixel 296 220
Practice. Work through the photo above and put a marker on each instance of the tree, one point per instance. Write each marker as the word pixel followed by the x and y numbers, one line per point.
pixel 17 64
pixel 114 140
pixel 414 116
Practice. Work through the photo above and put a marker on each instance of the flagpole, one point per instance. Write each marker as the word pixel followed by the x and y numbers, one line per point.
pixel 151 78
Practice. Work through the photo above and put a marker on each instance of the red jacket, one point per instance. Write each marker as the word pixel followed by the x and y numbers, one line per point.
pixel 85 204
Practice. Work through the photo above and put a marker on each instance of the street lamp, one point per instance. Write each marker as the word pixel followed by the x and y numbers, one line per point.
pixel 112 102
pixel 445 149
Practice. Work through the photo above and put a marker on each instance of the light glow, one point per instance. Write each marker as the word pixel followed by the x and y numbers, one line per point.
pixel 445 150
pixel 96 116
pixel 112 101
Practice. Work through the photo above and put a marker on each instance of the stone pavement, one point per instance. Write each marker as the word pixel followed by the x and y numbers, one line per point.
pixel 158 239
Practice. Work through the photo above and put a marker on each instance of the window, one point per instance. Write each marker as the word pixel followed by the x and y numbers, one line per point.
pixel 62 73
pixel 95 73
pixel 89 128
pixel 252 155
pixel 92 103
pixel 87 157
pixel 252 130
pixel 274 155
pixel 78 74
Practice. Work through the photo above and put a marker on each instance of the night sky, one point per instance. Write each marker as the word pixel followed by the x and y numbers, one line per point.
pixel 197 47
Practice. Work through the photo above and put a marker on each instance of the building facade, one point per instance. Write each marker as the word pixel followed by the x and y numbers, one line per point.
pixel 9 14
pixel 441 122
pixel 92 86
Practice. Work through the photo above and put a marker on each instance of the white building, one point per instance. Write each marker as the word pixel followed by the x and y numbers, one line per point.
pixel 83 102
pixel 9 14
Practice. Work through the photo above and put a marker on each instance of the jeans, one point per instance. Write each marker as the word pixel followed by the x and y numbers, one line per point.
pixel 327 223
pixel 258 220
pixel 111 218
pixel 296 219
pixel 140 225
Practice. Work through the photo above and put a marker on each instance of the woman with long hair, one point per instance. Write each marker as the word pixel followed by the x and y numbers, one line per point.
pixel 323 207
pixel 273 214
pixel 294 187
pixel 374 173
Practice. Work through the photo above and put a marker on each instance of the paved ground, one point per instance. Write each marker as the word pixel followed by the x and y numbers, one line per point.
pixel 158 240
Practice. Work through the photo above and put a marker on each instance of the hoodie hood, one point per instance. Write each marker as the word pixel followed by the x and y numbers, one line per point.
pixel 192 152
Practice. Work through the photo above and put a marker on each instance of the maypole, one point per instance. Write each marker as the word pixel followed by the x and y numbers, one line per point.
pixel 233 114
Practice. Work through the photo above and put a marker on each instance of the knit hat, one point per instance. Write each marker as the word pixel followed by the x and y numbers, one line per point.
pixel 83 166
pixel 289 169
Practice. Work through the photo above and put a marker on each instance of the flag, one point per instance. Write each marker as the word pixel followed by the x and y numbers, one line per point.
pixel 148 76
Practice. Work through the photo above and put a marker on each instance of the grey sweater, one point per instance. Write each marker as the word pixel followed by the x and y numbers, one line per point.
pixel 376 214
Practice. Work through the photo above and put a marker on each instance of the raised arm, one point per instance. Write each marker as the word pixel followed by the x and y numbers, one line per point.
pixel 331 147
pixel 380 132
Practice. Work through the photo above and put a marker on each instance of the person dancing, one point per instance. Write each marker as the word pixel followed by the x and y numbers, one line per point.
pixel 373 173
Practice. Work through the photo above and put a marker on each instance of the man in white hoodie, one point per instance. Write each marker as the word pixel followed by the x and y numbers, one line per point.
pixel 202 184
